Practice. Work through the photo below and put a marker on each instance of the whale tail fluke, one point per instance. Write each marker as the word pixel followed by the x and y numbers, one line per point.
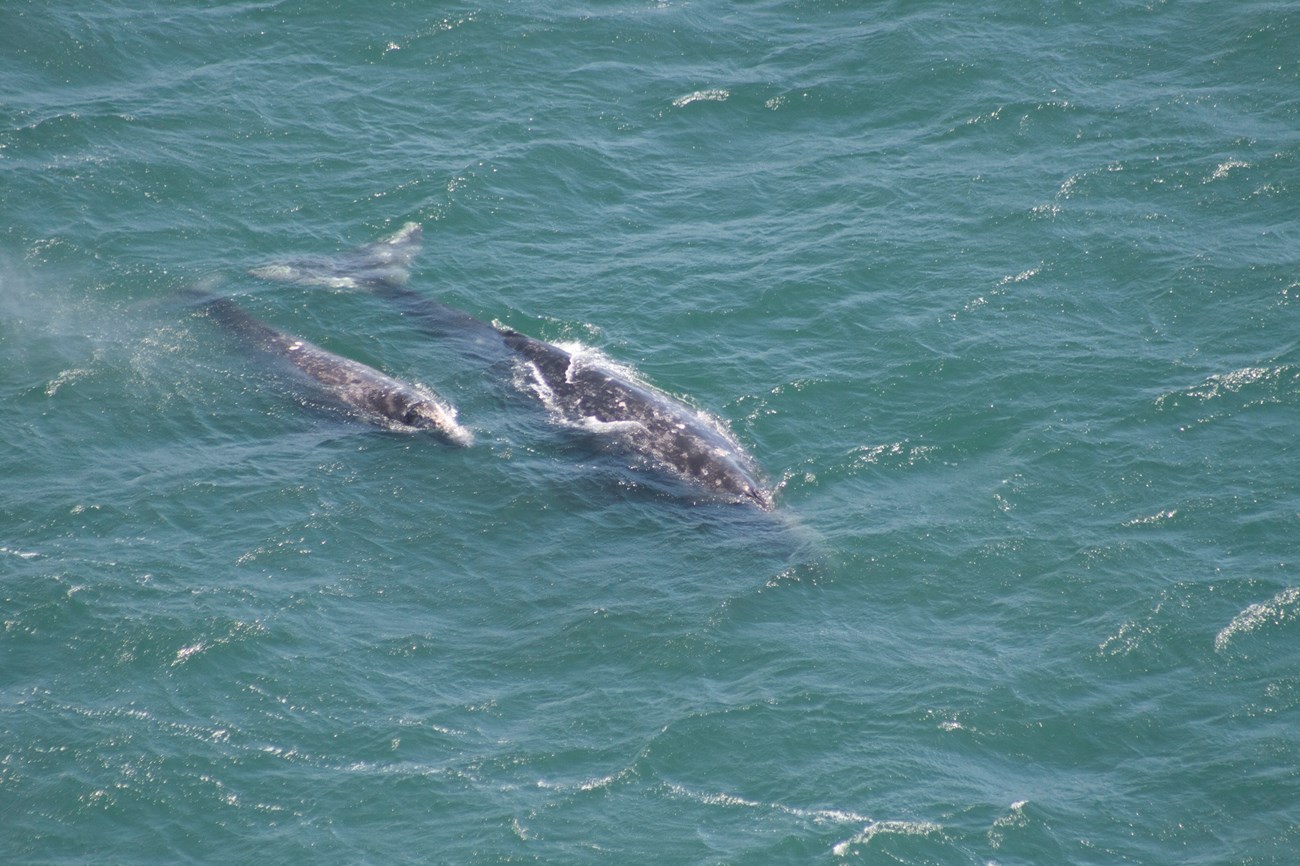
pixel 385 262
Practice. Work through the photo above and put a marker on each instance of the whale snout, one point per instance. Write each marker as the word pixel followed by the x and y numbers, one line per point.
pixel 428 415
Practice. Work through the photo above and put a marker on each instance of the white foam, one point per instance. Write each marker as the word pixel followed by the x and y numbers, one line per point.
pixel 444 416
pixel 1015 818
pixel 1124 641
pixel 529 378
pixel 1223 168
pixel 715 95
pixel 877 828
pixel 1158 517
pixel 184 653
pixel 1227 383
pixel 906 453
pixel 1281 608
pixel 236 631
pixel 585 357
pixel 820 816
pixel 1018 278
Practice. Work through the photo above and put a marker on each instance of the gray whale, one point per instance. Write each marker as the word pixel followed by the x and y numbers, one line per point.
pixel 349 383
pixel 579 388
pixel 584 391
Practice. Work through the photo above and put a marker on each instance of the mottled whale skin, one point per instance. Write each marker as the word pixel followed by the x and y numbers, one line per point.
pixel 349 383
pixel 585 392
pixel 579 388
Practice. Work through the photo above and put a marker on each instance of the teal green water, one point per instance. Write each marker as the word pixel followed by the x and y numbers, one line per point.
pixel 1004 298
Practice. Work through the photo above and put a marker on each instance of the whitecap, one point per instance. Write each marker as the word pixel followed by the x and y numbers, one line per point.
pixel 1222 169
pixel 1018 278
pixel 1281 608
pixel 877 828
pixel 1158 517
pixel 1015 818
pixel 715 95
pixel 1232 382
pixel 817 816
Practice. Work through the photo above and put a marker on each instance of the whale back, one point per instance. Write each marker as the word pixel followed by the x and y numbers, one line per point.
pixel 346 382
pixel 584 391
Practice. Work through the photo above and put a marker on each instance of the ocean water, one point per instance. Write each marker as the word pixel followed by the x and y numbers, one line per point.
pixel 1004 299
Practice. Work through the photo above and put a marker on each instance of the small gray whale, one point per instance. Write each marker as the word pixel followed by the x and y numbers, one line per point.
pixel 349 383
pixel 580 388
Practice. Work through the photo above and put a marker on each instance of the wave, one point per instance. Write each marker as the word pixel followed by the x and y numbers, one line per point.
pixel 1280 609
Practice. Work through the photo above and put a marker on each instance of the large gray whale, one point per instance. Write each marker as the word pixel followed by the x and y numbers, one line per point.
pixel 347 382
pixel 579 387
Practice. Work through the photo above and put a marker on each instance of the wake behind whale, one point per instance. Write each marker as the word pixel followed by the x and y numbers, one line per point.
pixel 577 386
